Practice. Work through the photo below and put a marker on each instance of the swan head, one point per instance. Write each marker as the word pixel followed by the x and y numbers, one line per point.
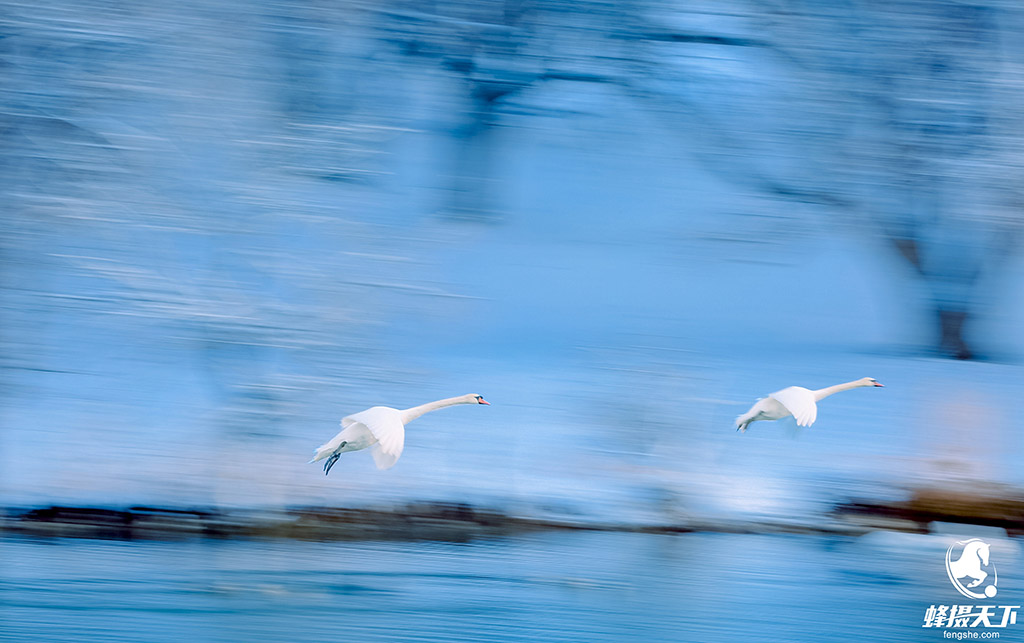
pixel 473 398
pixel 869 381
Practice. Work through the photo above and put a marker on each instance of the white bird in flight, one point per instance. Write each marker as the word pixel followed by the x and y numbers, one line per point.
pixel 797 401
pixel 382 428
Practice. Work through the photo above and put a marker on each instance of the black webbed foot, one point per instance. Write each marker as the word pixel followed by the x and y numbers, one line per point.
pixel 330 462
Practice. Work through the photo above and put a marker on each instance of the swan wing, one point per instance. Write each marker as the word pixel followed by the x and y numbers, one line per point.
pixel 798 401
pixel 383 460
pixel 385 424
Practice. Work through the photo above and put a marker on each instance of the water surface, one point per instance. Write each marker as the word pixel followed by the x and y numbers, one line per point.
pixel 553 587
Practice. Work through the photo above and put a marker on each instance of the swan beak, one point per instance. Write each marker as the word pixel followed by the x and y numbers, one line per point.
pixel 879 384
pixel 483 401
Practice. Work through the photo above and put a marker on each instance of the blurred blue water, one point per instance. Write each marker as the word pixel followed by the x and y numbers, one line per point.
pixel 550 587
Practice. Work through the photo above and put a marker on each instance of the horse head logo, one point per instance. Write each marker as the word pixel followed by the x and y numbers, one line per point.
pixel 973 557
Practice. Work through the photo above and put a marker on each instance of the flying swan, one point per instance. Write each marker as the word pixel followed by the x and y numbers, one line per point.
pixel 382 428
pixel 797 401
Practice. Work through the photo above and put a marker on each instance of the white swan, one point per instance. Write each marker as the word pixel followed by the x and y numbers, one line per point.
pixel 797 401
pixel 382 428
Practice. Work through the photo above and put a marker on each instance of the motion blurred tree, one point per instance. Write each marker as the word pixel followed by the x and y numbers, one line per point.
pixel 158 200
pixel 902 115
pixel 944 161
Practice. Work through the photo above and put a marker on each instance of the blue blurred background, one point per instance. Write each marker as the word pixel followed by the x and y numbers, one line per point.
pixel 228 224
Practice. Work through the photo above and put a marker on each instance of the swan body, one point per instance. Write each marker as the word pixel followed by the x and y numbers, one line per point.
pixel 382 428
pixel 797 401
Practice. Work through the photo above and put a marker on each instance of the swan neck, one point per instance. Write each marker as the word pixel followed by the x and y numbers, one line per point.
pixel 822 393
pixel 408 415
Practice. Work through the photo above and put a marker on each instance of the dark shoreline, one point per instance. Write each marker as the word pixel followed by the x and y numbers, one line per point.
pixel 457 521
